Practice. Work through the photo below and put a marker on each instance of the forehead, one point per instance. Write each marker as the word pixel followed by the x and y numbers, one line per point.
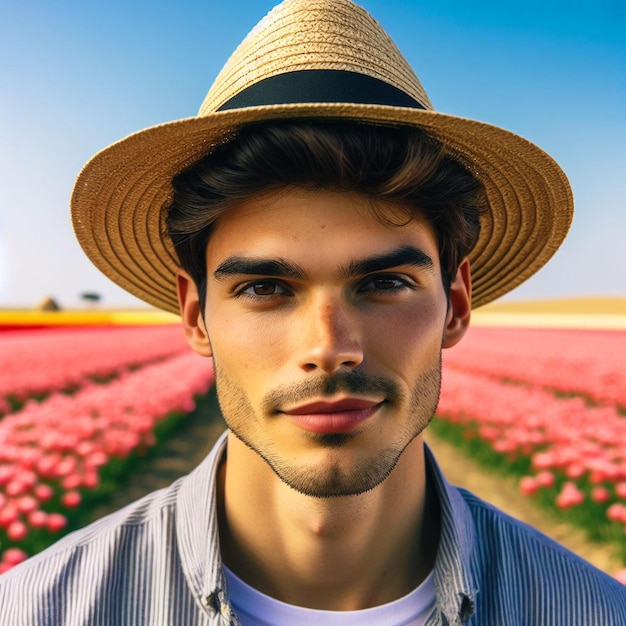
pixel 318 223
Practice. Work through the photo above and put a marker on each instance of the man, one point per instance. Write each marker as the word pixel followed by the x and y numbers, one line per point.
pixel 324 234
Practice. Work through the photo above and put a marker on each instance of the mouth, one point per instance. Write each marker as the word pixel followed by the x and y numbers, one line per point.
pixel 333 417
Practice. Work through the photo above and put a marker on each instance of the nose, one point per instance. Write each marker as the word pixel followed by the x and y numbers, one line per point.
pixel 329 337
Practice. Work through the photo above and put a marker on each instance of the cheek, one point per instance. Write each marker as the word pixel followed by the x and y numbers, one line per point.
pixel 406 339
pixel 246 346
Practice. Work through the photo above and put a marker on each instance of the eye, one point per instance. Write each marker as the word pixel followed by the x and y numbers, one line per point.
pixel 384 283
pixel 263 289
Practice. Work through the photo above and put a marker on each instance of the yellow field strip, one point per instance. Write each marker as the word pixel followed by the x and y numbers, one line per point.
pixel 550 320
pixel 86 318
pixel 130 318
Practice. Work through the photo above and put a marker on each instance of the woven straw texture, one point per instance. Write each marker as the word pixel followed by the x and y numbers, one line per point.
pixel 314 35
pixel 118 199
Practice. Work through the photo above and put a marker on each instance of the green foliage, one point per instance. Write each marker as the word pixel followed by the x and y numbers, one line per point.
pixel 113 478
pixel 590 516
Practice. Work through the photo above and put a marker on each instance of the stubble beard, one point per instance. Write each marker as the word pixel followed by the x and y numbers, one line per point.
pixel 333 480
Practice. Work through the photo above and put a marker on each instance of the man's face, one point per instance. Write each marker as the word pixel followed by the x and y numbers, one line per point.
pixel 326 328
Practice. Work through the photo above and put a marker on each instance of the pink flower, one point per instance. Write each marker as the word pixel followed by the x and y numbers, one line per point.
pixel 13 556
pixel 66 466
pixel 620 490
pixel 600 494
pixel 8 514
pixel 569 496
pixel 71 499
pixel 37 519
pixel 47 464
pixel 7 472
pixel 575 470
pixel 56 522
pixel 15 488
pixel 43 492
pixel 72 481
pixel 96 459
pixel 528 485
pixel 91 479
pixel 545 479
pixel 617 512
pixel 17 531
pixel 26 504
pixel 543 460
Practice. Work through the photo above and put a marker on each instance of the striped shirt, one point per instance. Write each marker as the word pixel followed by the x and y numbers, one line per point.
pixel 157 562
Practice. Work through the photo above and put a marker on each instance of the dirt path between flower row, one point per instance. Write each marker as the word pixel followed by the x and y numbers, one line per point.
pixel 183 451
pixel 503 492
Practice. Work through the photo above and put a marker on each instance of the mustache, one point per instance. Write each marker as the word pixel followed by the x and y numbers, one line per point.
pixel 353 382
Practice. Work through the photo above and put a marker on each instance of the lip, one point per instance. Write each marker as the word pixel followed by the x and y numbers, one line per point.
pixel 333 417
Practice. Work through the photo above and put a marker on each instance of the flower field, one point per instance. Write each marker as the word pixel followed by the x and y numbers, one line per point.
pixel 588 363
pixel 38 362
pixel 549 406
pixel 58 452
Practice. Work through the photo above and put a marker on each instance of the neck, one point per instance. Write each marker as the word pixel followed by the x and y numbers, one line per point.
pixel 341 553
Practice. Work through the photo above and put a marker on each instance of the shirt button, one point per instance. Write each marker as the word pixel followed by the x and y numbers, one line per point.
pixel 208 602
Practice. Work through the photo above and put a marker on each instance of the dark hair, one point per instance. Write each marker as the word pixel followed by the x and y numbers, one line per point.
pixel 397 164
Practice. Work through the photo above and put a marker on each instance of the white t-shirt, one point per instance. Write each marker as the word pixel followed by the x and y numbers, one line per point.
pixel 254 608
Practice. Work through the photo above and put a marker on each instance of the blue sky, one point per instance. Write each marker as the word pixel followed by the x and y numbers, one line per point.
pixel 76 76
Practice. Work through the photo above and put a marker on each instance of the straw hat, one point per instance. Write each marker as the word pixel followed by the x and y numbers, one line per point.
pixel 314 59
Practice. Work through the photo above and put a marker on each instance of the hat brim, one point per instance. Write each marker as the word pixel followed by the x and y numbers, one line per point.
pixel 118 199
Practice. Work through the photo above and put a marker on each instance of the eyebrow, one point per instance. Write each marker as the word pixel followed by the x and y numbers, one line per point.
pixel 405 255
pixel 281 268
pixel 237 265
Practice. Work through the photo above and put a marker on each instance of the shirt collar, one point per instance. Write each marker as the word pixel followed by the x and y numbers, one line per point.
pixel 198 540
pixel 197 532
pixel 455 576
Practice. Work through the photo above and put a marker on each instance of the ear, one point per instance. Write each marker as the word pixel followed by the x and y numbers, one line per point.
pixel 459 306
pixel 191 312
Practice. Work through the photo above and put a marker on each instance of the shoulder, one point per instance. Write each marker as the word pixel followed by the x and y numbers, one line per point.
pixel 140 565
pixel 538 574
pixel 83 563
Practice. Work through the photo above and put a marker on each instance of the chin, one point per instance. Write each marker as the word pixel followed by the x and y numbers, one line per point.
pixel 336 474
